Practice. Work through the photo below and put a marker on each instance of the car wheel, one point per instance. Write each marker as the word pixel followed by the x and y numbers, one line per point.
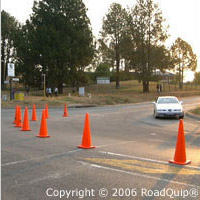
pixel 154 114
pixel 181 117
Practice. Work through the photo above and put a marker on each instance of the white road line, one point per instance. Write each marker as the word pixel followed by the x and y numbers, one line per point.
pixel 145 159
pixel 56 175
pixel 37 158
pixel 116 143
pixel 137 174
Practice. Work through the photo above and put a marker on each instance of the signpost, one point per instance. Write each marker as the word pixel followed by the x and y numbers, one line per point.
pixel 11 73
pixel 44 84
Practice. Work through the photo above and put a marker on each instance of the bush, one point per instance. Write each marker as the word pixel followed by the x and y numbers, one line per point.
pixel 123 76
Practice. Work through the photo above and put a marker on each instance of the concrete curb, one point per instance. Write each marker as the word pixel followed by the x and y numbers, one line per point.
pixel 81 106
pixel 193 116
pixel 54 107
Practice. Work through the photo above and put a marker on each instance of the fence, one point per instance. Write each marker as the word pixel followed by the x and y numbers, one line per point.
pixel 131 86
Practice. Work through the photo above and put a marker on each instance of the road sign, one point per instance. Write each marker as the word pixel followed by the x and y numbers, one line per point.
pixel 81 91
pixel 11 69
pixel 6 82
pixel 103 80
pixel 15 79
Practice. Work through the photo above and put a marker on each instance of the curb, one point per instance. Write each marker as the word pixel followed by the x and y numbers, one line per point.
pixel 53 107
pixel 193 116
pixel 81 106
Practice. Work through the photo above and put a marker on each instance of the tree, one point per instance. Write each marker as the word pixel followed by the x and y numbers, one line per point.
pixel 25 57
pixel 114 24
pixel 161 58
pixel 103 70
pixel 106 52
pixel 184 58
pixel 197 78
pixel 62 39
pixel 149 33
pixel 127 50
pixel 8 33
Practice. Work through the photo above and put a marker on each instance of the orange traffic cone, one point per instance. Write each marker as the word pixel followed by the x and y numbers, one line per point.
pixel 43 126
pixel 16 107
pixel 180 152
pixel 19 118
pixel 25 126
pixel 86 139
pixel 47 111
pixel 34 115
pixel 65 111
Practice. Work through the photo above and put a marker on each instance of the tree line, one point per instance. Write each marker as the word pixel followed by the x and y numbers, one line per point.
pixel 57 41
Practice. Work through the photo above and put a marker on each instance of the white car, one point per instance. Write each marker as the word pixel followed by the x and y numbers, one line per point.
pixel 168 106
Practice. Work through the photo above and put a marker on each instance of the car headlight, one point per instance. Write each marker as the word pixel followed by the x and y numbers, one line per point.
pixel 179 110
pixel 161 110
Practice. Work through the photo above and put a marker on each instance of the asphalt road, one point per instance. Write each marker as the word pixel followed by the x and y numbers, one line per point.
pixel 130 160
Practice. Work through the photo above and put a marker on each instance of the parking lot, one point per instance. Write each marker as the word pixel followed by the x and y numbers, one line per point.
pixel 130 160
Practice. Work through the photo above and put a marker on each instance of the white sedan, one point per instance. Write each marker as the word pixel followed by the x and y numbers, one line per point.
pixel 168 106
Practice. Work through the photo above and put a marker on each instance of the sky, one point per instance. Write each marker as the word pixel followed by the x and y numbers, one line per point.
pixel 182 16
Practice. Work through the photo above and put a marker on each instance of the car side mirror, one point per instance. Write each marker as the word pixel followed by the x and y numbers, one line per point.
pixel 181 102
pixel 154 102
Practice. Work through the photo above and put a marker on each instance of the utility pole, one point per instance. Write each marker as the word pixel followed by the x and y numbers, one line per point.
pixel 11 97
pixel 44 85
pixel 11 73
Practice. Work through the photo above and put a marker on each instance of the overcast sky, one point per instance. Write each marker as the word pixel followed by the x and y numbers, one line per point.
pixel 183 16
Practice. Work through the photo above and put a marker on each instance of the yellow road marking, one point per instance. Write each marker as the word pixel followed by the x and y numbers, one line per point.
pixel 145 166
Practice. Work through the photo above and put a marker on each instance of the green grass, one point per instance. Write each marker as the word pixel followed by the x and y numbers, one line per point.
pixel 129 92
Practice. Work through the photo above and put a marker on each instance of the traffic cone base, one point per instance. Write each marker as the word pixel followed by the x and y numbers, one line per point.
pixel 43 136
pixel 84 147
pixel 180 163
pixel 19 126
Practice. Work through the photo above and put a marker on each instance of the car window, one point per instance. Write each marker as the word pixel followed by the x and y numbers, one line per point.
pixel 167 100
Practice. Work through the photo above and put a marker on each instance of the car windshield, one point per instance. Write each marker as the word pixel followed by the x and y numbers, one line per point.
pixel 167 100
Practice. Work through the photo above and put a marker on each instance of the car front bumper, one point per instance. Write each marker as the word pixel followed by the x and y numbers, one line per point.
pixel 170 114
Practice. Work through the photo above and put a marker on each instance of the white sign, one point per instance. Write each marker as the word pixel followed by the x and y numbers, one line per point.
pixel 81 91
pixel 11 69
pixel 103 80
pixel 15 79
pixel 6 82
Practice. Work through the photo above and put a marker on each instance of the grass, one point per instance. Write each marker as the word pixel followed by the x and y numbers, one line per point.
pixel 129 92
pixel 196 111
